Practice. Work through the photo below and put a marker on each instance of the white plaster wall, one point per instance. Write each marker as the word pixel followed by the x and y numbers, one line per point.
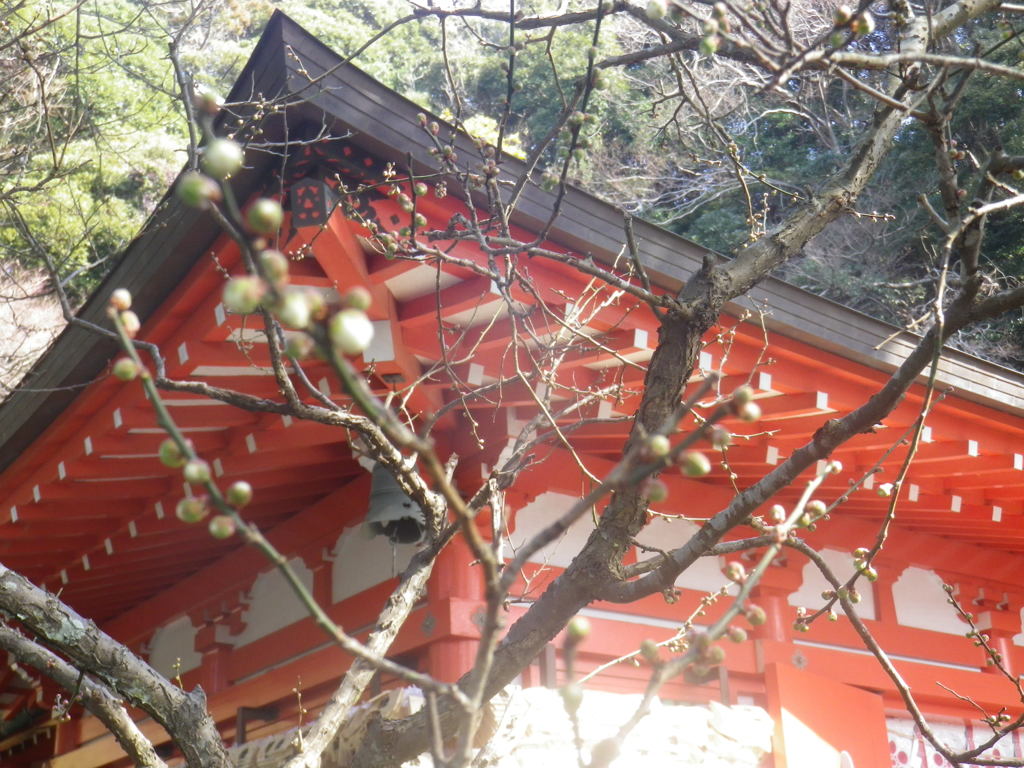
pixel 705 575
pixel 362 561
pixel 272 604
pixel 541 512
pixel 175 640
pixel 1019 639
pixel 921 602
pixel 841 563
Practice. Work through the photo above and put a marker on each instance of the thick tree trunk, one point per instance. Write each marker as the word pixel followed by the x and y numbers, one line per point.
pixel 182 714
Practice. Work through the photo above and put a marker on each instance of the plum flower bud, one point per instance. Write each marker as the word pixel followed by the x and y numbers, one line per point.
pixel 242 295
pixel 572 697
pixel 221 158
pixel 222 526
pixel 196 190
pixel 239 494
pixel 655 490
pixel 816 508
pixel 351 331
pixel 357 297
pixel 734 571
pixel 121 299
pixel 196 472
pixel 207 101
pixel 130 322
pixel 737 634
pixel 869 572
pixel 578 628
pixel 714 655
pixel 274 265
pixel 755 615
pixel 299 346
pixel 125 369
pixel 265 216
pixel 749 412
pixel 709 44
pixel 656 9
pixel 842 15
pixel 294 308
pixel 742 395
pixel 658 446
pixel 171 454
pixel 694 464
pixel 192 509
pixel 605 751
pixel 720 437
pixel 649 650
pixel 864 24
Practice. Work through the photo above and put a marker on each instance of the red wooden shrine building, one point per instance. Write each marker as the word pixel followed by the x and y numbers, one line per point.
pixel 88 510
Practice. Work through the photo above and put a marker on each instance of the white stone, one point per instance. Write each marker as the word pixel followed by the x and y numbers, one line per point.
pixel 534 730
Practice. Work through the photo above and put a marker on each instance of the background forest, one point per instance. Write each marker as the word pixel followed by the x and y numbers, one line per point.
pixel 92 134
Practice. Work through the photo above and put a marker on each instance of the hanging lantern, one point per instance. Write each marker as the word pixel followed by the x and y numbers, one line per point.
pixel 392 513
pixel 312 201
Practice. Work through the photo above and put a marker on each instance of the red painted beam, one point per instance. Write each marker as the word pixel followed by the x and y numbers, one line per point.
pixel 316 524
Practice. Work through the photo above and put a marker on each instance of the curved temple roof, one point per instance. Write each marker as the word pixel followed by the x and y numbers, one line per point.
pixel 173 284
pixel 85 505
pixel 385 124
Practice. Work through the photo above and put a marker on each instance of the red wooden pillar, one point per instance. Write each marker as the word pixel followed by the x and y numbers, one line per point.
pixel 772 594
pixel 213 672
pixel 455 596
pixel 319 563
pixel 1000 626
pixel 68 734
pixel 890 569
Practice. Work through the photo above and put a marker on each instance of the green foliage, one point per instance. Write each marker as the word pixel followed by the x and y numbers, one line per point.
pixel 405 59
pixel 101 137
